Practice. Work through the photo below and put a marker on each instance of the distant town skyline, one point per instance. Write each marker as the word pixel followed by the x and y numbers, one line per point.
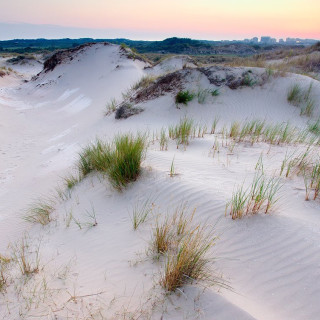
pixel 10 31
pixel 154 20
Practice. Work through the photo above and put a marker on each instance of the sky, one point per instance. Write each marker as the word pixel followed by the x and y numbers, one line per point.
pixel 155 20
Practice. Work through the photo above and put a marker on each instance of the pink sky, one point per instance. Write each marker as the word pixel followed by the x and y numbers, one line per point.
pixel 206 19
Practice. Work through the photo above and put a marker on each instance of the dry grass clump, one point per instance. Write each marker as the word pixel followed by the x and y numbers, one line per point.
pixel 120 160
pixel 185 246
pixel 256 61
pixel 26 256
pixel 144 82
pixel 190 260
pixel 4 263
pixel 5 71
pixel 40 212
pixel 261 196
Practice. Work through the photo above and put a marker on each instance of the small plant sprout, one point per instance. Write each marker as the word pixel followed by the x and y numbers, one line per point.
pixel 237 204
pixel 71 181
pixel 141 212
pixel 92 217
pixel 172 169
pixel 215 92
pixel 163 140
pixel 214 125
pixel 295 94
pixel 111 106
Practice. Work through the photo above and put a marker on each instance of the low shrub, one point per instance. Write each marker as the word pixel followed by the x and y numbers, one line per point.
pixel 184 97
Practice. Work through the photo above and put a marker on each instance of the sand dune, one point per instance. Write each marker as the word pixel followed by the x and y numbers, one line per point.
pixel 105 271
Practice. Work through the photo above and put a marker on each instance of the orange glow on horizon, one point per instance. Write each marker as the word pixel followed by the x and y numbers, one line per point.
pixel 210 18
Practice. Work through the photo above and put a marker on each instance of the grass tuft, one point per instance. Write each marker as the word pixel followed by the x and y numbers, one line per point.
pixel 141 212
pixel 144 82
pixel 184 97
pixel 40 212
pixel 302 98
pixel 120 161
pixel 4 263
pixel 182 132
pixel 26 256
pixel 190 261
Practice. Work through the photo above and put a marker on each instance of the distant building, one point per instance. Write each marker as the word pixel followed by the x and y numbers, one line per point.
pixel 255 40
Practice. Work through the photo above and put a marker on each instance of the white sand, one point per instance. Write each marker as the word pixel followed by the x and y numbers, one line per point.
pixel 272 262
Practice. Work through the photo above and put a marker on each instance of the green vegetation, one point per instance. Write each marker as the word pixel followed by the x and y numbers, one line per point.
pixel 111 106
pixel 184 97
pixel 301 98
pixel 141 212
pixel 215 92
pixel 315 127
pixel 182 132
pixel 163 140
pixel 121 160
pixel 262 195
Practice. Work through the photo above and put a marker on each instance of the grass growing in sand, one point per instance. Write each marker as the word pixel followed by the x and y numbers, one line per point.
pixel 111 106
pixel 120 160
pixel 315 127
pixel 26 256
pixel 141 212
pixel 186 249
pixel 163 140
pixel 182 132
pixel 40 212
pixel 4 262
pixel 144 82
pixel 184 97
pixel 261 196
pixel 190 262
pixel 301 98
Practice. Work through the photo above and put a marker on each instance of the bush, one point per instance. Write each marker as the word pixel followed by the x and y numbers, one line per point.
pixel 184 97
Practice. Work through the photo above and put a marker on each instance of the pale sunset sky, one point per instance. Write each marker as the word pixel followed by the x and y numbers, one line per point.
pixel 154 19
